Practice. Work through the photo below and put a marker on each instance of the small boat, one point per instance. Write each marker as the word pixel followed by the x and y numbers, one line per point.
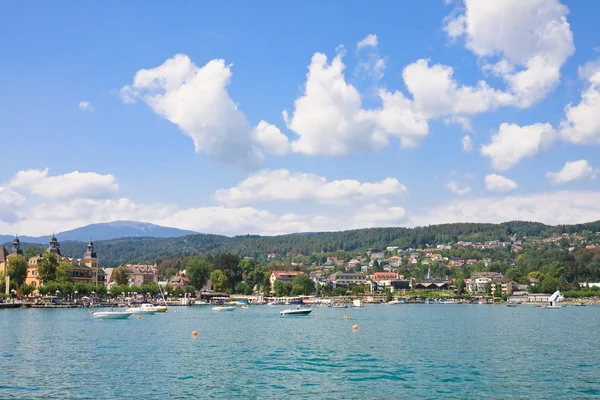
pixel 200 303
pixel 296 311
pixel 161 308
pixel 511 305
pixel 223 308
pixel 340 305
pixel 393 302
pixel 144 309
pixel 112 315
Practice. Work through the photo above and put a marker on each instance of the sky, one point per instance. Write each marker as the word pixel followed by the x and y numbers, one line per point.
pixel 272 117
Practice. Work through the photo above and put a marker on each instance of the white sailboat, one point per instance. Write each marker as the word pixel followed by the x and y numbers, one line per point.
pixel 553 299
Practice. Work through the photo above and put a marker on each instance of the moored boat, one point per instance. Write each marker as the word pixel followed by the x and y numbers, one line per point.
pixel 111 315
pixel 296 311
pixel 223 308
pixel 143 309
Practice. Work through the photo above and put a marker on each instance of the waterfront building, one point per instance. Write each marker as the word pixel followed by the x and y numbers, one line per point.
pixel 283 276
pixel 84 269
pixel 346 279
pixel 478 281
pixel 140 274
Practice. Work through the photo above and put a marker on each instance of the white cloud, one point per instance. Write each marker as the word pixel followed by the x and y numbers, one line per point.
pixel 572 171
pixel 525 42
pixel 270 139
pixel 436 93
pixel 329 119
pixel 464 122
pixel 582 125
pixel 73 184
pixel 284 185
pixel 513 142
pixel 467 144
pixel 568 207
pixel 85 106
pixel 368 41
pixel 457 188
pixel 196 100
pixel 499 183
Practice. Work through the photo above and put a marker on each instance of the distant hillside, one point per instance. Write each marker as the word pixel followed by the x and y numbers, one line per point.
pixel 107 231
pixel 150 249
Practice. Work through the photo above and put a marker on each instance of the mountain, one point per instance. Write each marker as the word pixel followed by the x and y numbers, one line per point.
pixel 106 231
pixel 153 249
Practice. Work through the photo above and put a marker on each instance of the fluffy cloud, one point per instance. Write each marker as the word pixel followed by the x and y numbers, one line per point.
pixel 73 184
pixel 524 42
pixel 368 41
pixel 582 124
pixel 436 93
pixel 284 185
pixel 329 119
pixel 513 142
pixel 196 100
pixel 467 144
pixel 568 207
pixel 572 171
pixel 270 138
pixel 457 188
pixel 499 183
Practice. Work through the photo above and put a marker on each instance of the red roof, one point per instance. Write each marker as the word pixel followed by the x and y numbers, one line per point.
pixel 288 273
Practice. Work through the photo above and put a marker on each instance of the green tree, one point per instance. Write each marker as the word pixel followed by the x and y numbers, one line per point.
pixel 218 280
pixel 339 291
pixel 243 288
pixel 488 288
pixel 26 289
pixel 303 284
pixel 16 267
pixel 388 295
pixel 119 275
pixel 460 286
pixel 32 252
pixel 47 266
pixel 64 272
pixel 169 272
pixel 198 270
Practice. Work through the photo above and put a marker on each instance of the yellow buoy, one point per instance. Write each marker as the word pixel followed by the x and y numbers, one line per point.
pixel 345 317
pixel 355 327
pixel 194 333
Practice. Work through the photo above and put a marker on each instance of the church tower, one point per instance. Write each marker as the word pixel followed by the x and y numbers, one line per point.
pixel 54 246
pixel 90 259
pixel 16 250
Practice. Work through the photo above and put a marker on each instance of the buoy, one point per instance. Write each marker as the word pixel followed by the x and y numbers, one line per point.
pixel 174 310
pixel 317 314
pixel 355 327
pixel 345 317
pixel 194 333
pixel 91 313
pixel 139 317
pixel 219 310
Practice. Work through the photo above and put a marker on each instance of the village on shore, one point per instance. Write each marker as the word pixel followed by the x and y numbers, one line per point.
pixel 373 277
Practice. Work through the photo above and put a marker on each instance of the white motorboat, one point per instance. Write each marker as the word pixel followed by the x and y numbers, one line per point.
pixel 111 315
pixel 144 309
pixel 296 311
pixel 161 308
pixel 223 308
pixel 340 305
pixel 393 302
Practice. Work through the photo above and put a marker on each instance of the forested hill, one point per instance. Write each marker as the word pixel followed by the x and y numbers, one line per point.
pixel 146 249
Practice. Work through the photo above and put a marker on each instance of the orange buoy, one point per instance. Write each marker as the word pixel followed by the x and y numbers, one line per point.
pixel 139 317
pixel 317 314
pixel 194 333
pixel 91 313
pixel 355 327
pixel 219 310
pixel 345 317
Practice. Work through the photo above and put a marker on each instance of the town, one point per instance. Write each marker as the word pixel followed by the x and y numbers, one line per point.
pixel 520 270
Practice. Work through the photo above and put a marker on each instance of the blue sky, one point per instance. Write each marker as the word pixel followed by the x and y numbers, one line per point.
pixel 172 113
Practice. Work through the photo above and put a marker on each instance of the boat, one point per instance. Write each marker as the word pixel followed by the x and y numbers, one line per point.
pixel 161 308
pixel 553 299
pixel 144 309
pixel 296 311
pixel 340 305
pixel 393 302
pixel 511 305
pixel 223 308
pixel 200 303
pixel 112 315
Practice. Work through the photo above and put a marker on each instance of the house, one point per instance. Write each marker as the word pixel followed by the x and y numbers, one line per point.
pixel 507 286
pixel 385 276
pixel 388 268
pixel 377 255
pixel 178 281
pixel 395 261
pixel 478 281
pixel 271 256
pixel 346 279
pixel 353 263
pixel 365 269
pixel 412 260
pixel 141 274
pixel 283 276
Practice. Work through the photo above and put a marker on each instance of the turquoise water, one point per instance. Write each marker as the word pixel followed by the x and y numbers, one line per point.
pixel 403 351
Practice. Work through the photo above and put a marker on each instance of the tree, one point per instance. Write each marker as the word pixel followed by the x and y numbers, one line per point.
pixel 460 286
pixel 488 288
pixel 32 252
pixel 64 272
pixel 119 275
pixel 339 291
pixel 26 289
pixel 47 266
pixel 388 295
pixel 169 272
pixel 243 288
pixel 218 280
pixel 198 271
pixel 16 267
pixel 303 284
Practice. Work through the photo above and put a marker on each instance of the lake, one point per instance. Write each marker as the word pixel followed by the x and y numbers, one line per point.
pixel 399 351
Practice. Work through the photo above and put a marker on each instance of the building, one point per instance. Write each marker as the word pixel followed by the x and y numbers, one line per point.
pixel 346 279
pixel 430 283
pixel 385 276
pixel 83 269
pixel 478 281
pixel 377 255
pixel 142 274
pixel 283 276
pixel 395 261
